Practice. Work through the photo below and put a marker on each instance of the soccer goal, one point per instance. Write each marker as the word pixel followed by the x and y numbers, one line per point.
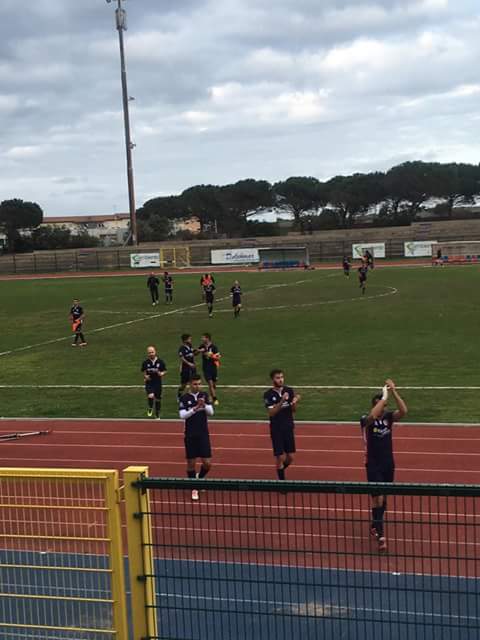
pixel 457 252
pixel 284 258
pixel 178 257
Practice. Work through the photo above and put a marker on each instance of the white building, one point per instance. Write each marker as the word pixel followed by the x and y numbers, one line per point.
pixel 110 229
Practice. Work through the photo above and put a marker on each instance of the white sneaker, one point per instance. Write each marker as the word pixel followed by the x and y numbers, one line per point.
pixel 195 495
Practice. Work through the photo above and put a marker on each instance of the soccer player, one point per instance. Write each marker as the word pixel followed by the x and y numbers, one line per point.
pixel 377 429
pixel 205 280
pixel 188 369
pixel 152 284
pixel 346 265
pixel 210 363
pixel 369 259
pixel 153 369
pixel 168 284
pixel 195 408
pixel 209 297
pixel 362 277
pixel 77 316
pixel 281 403
pixel 236 292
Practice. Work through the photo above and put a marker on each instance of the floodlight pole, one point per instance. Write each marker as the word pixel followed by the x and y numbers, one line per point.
pixel 121 23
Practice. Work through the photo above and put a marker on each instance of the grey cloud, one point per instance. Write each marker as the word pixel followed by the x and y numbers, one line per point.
pixel 226 90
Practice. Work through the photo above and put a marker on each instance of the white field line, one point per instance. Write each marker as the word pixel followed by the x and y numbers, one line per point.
pixel 392 292
pixel 137 320
pixel 259 422
pixel 237 386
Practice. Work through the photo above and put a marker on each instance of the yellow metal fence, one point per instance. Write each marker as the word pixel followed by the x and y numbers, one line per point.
pixel 61 555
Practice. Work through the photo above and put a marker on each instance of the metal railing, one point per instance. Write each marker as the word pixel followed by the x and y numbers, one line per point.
pixel 61 556
pixel 269 559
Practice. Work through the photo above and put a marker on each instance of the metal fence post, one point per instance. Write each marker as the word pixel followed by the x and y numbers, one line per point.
pixel 114 526
pixel 140 554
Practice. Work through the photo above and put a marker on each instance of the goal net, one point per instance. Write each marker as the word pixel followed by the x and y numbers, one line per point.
pixel 457 252
pixel 284 258
pixel 178 257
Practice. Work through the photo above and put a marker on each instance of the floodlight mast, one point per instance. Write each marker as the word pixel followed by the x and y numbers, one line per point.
pixel 121 24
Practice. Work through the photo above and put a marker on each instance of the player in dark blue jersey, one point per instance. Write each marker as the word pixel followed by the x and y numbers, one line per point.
pixel 346 265
pixel 210 364
pixel 195 408
pixel 153 369
pixel 236 293
pixel 168 284
pixel 77 316
pixel 209 297
pixel 281 403
pixel 362 277
pixel 152 285
pixel 377 429
pixel 188 369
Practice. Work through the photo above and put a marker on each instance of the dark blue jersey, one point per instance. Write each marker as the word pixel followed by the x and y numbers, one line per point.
pixel 153 369
pixel 362 272
pixel 76 311
pixel 284 418
pixel 168 282
pixel 186 352
pixel 379 440
pixel 196 424
pixel 152 282
pixel 206 350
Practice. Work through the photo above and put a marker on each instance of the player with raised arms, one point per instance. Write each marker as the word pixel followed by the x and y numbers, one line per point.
pixel 377 428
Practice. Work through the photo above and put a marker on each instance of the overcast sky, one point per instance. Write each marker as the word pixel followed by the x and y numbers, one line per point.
pixel 229 89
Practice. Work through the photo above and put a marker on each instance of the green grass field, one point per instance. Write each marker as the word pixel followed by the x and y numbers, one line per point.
pixel 417 325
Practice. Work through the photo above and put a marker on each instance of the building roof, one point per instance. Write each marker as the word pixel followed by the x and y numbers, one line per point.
pixel 85 219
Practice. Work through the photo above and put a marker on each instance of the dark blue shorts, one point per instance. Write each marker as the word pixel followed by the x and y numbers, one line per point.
pixel 236 301
pixel 187 374
pixel 197 446
pixel 283 441
pixel 155 388
pixel 210 373
pixel 376 473
pixel 209 297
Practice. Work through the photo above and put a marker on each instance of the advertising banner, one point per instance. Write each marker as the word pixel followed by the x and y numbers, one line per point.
pixel 421 249
pixel 234 256
pixel 377 249
pixel 144 260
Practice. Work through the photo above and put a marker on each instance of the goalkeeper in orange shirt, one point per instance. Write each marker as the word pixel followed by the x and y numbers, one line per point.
pixel 210 364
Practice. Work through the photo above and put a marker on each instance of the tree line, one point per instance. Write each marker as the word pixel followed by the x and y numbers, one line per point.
pixel 394 197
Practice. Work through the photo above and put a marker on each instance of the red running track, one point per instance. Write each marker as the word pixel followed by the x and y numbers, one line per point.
pixel 427 537
pixel 242 449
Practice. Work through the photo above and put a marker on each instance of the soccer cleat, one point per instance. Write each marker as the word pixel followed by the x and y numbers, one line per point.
pixel 216 402
pixel 382 544
pixel 153 304
pixel 74 344
pixel 150 413
pixel 83 344
pixel 195 495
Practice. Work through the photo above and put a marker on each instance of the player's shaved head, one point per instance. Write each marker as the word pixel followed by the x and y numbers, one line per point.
pixel 186 337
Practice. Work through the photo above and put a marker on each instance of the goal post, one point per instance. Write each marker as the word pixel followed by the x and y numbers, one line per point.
pixel 178 257
pixel 456 252
pixel 284 258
